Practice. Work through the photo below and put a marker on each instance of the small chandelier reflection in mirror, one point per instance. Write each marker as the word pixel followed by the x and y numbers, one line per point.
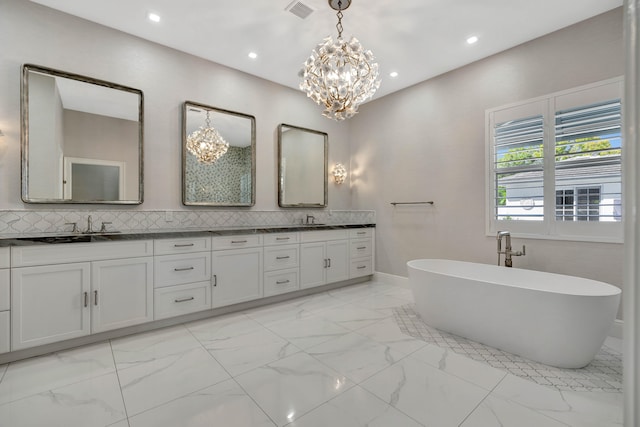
pixel 206 143
pixel 340 75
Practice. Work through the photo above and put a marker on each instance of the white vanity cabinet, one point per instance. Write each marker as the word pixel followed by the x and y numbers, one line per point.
pixel 281 263
pixel 121 293
pixel 236 273
pixel 54 301
pixel 361 250
pixel 5 301
pixel 324 257
pixel 182 269
pixel 50 303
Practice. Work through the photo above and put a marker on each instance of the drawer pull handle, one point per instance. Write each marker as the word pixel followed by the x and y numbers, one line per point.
pixel 182 245
pixel 329 263
pixel 283 238
pixel 215 280
pixel 184 299
pixel 183 269
pixel 362 232
pixel 361 267
pixel 95 297
pixel 283 257
pixel 361 247
pixel 238 241
pixel 86 299
pixel 282 282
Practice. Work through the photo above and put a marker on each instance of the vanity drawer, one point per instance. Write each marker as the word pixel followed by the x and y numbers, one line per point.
pixel 5 257
pixel 361 267
pixel 5 296
pixel 280 238
pixel 235 242
pixel 323 235
pixel 182 245
pixel 280 282
pixel 361 248
pixel 279 257
pixel 5 337
pixel 180 269
pixel 358 233
pixel 181 299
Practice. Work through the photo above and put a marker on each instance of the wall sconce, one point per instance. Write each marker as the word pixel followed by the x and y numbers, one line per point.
pixel 339 173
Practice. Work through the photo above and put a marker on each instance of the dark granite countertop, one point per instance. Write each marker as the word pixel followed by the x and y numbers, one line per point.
pixel 26 239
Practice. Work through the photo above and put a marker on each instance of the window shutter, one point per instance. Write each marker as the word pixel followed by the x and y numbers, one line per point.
pixel 588 159
pixel 518 164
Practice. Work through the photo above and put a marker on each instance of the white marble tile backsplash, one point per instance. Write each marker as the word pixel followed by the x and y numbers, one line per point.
pixel 56 221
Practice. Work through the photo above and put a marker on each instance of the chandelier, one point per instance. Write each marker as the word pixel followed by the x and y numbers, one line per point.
pixel 206 143
pixel 340 75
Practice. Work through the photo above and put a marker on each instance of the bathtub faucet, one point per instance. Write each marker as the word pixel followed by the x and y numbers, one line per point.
pixel 508 250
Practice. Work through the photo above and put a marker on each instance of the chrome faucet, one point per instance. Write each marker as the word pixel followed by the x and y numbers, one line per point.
pixel 508 250
pixel 89 225
pixel 313 219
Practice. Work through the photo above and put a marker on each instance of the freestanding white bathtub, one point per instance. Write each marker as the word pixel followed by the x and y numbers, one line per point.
pixel 549 318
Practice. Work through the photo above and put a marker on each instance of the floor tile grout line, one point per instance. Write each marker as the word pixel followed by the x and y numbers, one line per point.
pixel 124 403
pixel 489 393
pixel 254 401
pixel 62 385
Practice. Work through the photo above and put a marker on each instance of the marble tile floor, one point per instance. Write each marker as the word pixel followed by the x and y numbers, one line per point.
pixel 337 359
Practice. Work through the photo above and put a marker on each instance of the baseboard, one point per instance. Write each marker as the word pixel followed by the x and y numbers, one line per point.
pixel 616 329
pixel 392 279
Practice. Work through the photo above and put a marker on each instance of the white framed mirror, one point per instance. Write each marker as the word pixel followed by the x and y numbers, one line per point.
pixel 302 167
pixel 221 172
pixel 81 139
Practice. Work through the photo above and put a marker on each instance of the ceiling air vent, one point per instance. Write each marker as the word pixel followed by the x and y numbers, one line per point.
pixel 299 9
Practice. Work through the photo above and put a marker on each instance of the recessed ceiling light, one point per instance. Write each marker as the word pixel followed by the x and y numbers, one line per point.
pixel 472 39
pixel 154 17
pixel 393 74
pixel 253 55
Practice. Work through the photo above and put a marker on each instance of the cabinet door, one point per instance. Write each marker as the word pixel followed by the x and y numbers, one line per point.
pixel 337 261
pixel 49 303
pixel 237 276
pixel 121 293
pixel 312 264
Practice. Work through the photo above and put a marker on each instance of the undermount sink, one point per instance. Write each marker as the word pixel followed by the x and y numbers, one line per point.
pixel 74 238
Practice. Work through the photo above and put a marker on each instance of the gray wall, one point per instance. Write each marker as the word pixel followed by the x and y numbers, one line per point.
pixel 428 143
pixel 35 34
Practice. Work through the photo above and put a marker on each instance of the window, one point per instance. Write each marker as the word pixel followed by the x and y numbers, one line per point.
pixel 554 165
pixel 564 205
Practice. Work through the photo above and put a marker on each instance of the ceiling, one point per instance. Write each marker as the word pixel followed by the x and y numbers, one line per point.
pixel 418 39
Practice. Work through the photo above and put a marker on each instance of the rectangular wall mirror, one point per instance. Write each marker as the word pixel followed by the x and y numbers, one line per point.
pixel 302 167
pixel 218 157
pixel 81 139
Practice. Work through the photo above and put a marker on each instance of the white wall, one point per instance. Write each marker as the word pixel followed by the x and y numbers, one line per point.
pixel 427 142
pixel 34 34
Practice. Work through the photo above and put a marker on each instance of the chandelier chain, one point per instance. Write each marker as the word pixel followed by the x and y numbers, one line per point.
pixel 339 24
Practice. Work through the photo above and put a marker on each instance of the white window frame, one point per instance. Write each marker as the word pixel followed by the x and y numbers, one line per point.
pixel 548 228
